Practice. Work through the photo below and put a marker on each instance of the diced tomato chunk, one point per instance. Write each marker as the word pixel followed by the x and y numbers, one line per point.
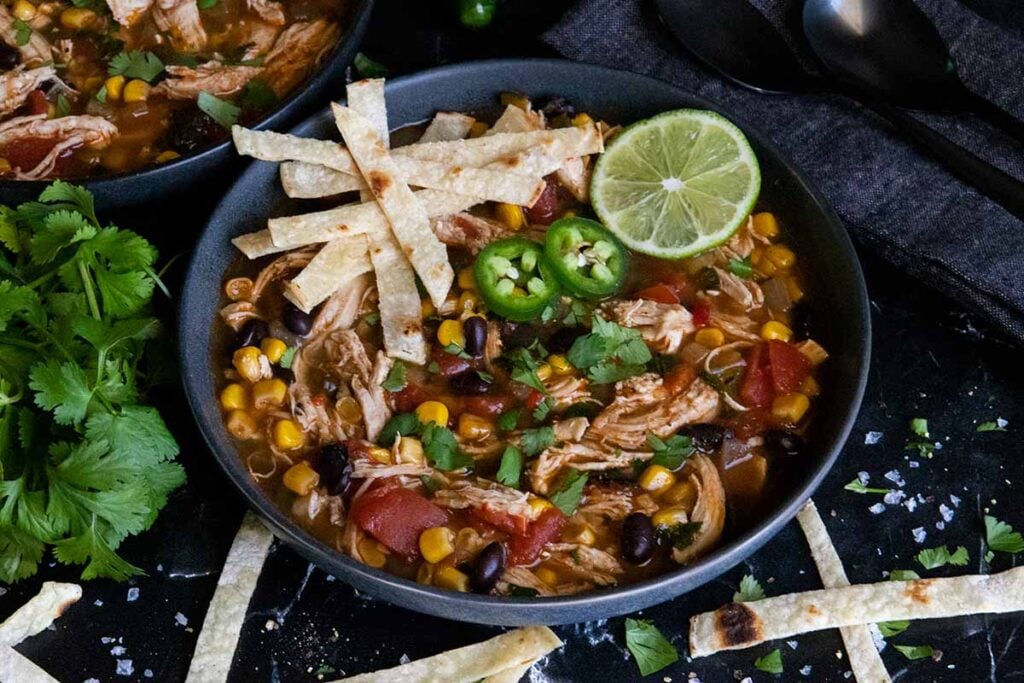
pixel 750 423
pixel 489 404
pixel 36 102
pixel 756 388
pixel 525 548
pixel 534 399
pixel 510 524
pixel 662 294
pixel 396 517
pixel 789 366
pixel 683 286
pixel 701 312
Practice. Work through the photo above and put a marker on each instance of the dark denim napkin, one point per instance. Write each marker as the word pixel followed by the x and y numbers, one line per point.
pixel 892 197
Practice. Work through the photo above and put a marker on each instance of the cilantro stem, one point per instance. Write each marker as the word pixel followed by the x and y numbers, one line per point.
pixel 90 294
pixel 40 280
pixel 20 343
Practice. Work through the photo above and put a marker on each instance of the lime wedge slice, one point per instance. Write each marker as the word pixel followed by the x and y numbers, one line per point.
pixel 676 184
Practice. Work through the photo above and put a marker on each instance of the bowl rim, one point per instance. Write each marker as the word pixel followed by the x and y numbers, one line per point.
pixel 594 604
pixel 340 55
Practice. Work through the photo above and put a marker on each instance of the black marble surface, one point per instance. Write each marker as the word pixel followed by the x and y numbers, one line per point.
pixel 930 359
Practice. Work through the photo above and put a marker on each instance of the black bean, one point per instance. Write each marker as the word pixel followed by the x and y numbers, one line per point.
pixel 562 340
pixel 518 335
pixel 285 374
pixel 558 106
pixel 708 279
pixel 252 333
pixel 475 331
pixel 783 444
pixel 296 321
pixel 334 468
pixel 487 568
pixel 9 56
pixel 469 383
pixel 637 538
pixel 706 438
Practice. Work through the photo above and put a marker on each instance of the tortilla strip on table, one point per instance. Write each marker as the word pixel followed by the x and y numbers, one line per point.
pixel 401 317
pixel 446 126
pixel 473 662
pixel 52 600
pixel 215 647
pixel 865 661
pixel 18 668
pixel 739 625
pixel 335 265
pixel 409 220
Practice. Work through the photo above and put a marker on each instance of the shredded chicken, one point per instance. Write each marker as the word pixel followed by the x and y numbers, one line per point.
pixel 585 562
pixel 483 493
pixel 368 468
pixel 643 404
pixel 351 363
pixel 268 10
pixel 66 133
pixel 567 390
pixel 740 245
pixel 738 326
pixel 585 455
pixel 709 510
pixel 260 39
pixel 523 577
pixel 468 231
pixel 485 448
pixel 296 52
pixel 744 292
pixel 603 502
pixel 185 83
pixel 17 85
pixel 36 52
pixel 318 416
pixel 279 267
pixel 180 19
pixel 571 429
pixel 493 346
pixel 662 326
pixel 342 308
pixel 127 12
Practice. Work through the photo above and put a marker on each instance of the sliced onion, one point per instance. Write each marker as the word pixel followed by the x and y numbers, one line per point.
pixel 776 295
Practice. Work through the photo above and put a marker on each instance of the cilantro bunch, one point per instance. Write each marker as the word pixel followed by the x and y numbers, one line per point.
pixel 83 464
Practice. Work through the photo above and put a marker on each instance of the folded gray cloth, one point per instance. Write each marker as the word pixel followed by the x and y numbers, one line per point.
pixel 893 198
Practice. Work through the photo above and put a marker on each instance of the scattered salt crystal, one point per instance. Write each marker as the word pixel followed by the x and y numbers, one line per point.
pixel 106 640
pixel 871 438
pixel 792 644
pixel 1001 423
pixel 946 512
pixel 921 499
pixel 98 603
pixel 894 496
pixel 124 667
pixel 180 619
pixel 847 674
pixel 133 594
pixel 877 637
pixel 910 504
pixel 864 478
pixel 270 625
pixel 919 534
pixel 159 567
pixel 894 477
pixel 404 659
pixel 877 509
pixel 118 650
pixel 955 500
pixel 913 464
pixel 148 673
pixel 91 680
pixel 805 670
pixel 940 525
pixel 3 591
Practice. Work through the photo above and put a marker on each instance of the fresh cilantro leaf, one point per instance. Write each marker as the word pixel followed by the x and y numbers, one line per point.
pixel 221 111
pixel 609 373
pixel 511 468
pixel 22 33
pixel 989 556
pixel 888 629
pixel 997 425
pixel 288 357
pixel 533 441
pixel 913 652
pixel 679 536
pixel 567 497
pixel 92 549
pixel 858 487
pixel 433 368
pixel 136 64
pixel 750 590
pixel 101 94
pixel 741 267
pixel 62 388
pixel 543 409
pixel 903 575
pixel 933 558
pixel 919 426
pixel 485 376
pixel 430 484
pixel 9 236
pixel 368 68
pixel 258 95
pixel 672 453
pixel 406 424
pixel 442 450
pixel 649 648
pixel 206 4
pixel 610 352
pixel 524 366
pixel 508 420
pixel 771 663
pixel 395 381
pixel 521 591
pixel 63 106
pixel 456 350
pixel 1001 537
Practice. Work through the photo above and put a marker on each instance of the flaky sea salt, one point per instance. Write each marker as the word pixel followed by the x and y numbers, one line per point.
pixel 940 525
pixel 124 667
pixel 864 478
pixel 877 509
pixel 792 644
pixel 871 438
pixel 148 673
pixel 118 650
pixel 955 500
pixel 133 594
pixel 919 534
pixel 894 497
pixel 913 464
pixel 894 477
pixel 180 619
pixel 806 670
pixel 946 512
pixel 910 504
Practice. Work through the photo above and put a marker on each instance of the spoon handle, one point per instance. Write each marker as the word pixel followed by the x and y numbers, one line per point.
pixel 986 178
pixel 997 116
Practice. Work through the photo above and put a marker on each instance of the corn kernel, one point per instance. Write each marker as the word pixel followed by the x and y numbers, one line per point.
pixel 247 362
pixel 450 332
pixel 810 387
pixel 273 348
pixel 288 434
pixel 547 575
pixel 24 10
pixel 241 425
pixel 300 478
pixel 773 329
pixel 766 225
pixel 757 256
pixel 516 100
pixel 136 90
pixel 371 553
pixel 381 455
pixel 670 516
pixel 269 393
pixel 349 409
pixel 544 371
pixel 468 301
pixel 467 278
pixel 582 119
pixel 474 428
pixel 767 268
pixel 437 543
pixel 477 129
pixel 796 292
pixel 234 398
pixel 780 255
pixel 814 351
pixel 511 215
pixel 539 505
pixel 77 18
pixel 432 411
pixel 427 308
pixel 425 573
pixel 451 578
pixel 115 87
pixel 789 408
pixel 683 494
pixel 165 156
pixel 5 166
pixel 656 479
pixel 410 450
pixel 582 534
pixel 711 337
pixel 560 365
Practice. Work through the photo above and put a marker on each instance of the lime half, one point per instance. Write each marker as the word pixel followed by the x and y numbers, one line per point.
pixel 676 184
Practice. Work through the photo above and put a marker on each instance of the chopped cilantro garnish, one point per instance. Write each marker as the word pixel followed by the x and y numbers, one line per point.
pixel 888 629
pixel 610 352
pixel 22 33
pixel 750 590
pixel 511 467
pixel 533 441
pixel 224 113
pixel 671 453
pixel 430 484
pixel 649 648
pixel 206 4
pixel 919 426
pixel 525 362
pixel 922 444
pixel 521 591
pixel 741 267
pixel 680 536
pixel 567 497
pixel 63 106
pixel 543 409
pixel 368 68
pixel 136 64
pixel 257 94
pixel 371 319
pixel 1001 537
pixel 771 663
pixel 903 575
pixel 997 425
pixel 857 486
pixel 913 652
pixel 933 558
pixel 101 94
pixel 395 381
pixel 442 450
pixel 288 357
pixel 456 350
pixel 406 424
pixel 508 420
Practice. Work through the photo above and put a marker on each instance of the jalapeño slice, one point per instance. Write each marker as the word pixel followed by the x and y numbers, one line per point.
pixel 587 259
pixel 514 278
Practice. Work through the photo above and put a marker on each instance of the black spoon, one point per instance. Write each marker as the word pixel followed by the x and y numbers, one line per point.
pixel 893 48
pixel 733 38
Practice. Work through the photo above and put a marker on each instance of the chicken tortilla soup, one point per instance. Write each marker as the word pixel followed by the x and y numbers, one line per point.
pixel 533 357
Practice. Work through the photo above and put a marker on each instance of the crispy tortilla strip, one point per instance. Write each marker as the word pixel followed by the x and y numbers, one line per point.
pixel 50 602
pixel 335 265
pixel 865 660
pixel 409 220
pixel 218 638
pixel 739 625
pixel 302 180
pixel 473 662
pixel 515 120
pixel 511 674
pixel 15 666
pixel 367 98
pixel 400 309
pixel 257 244
pixel 267 145
pixel 447 125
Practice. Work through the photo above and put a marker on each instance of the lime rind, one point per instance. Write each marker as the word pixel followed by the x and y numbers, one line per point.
pixel 676 204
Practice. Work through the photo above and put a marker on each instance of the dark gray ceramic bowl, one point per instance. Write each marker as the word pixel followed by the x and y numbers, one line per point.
pixel 135 188
pixel 839 297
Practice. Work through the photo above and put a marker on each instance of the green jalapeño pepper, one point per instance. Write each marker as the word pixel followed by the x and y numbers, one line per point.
pixel 514 278
pixel 588 260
